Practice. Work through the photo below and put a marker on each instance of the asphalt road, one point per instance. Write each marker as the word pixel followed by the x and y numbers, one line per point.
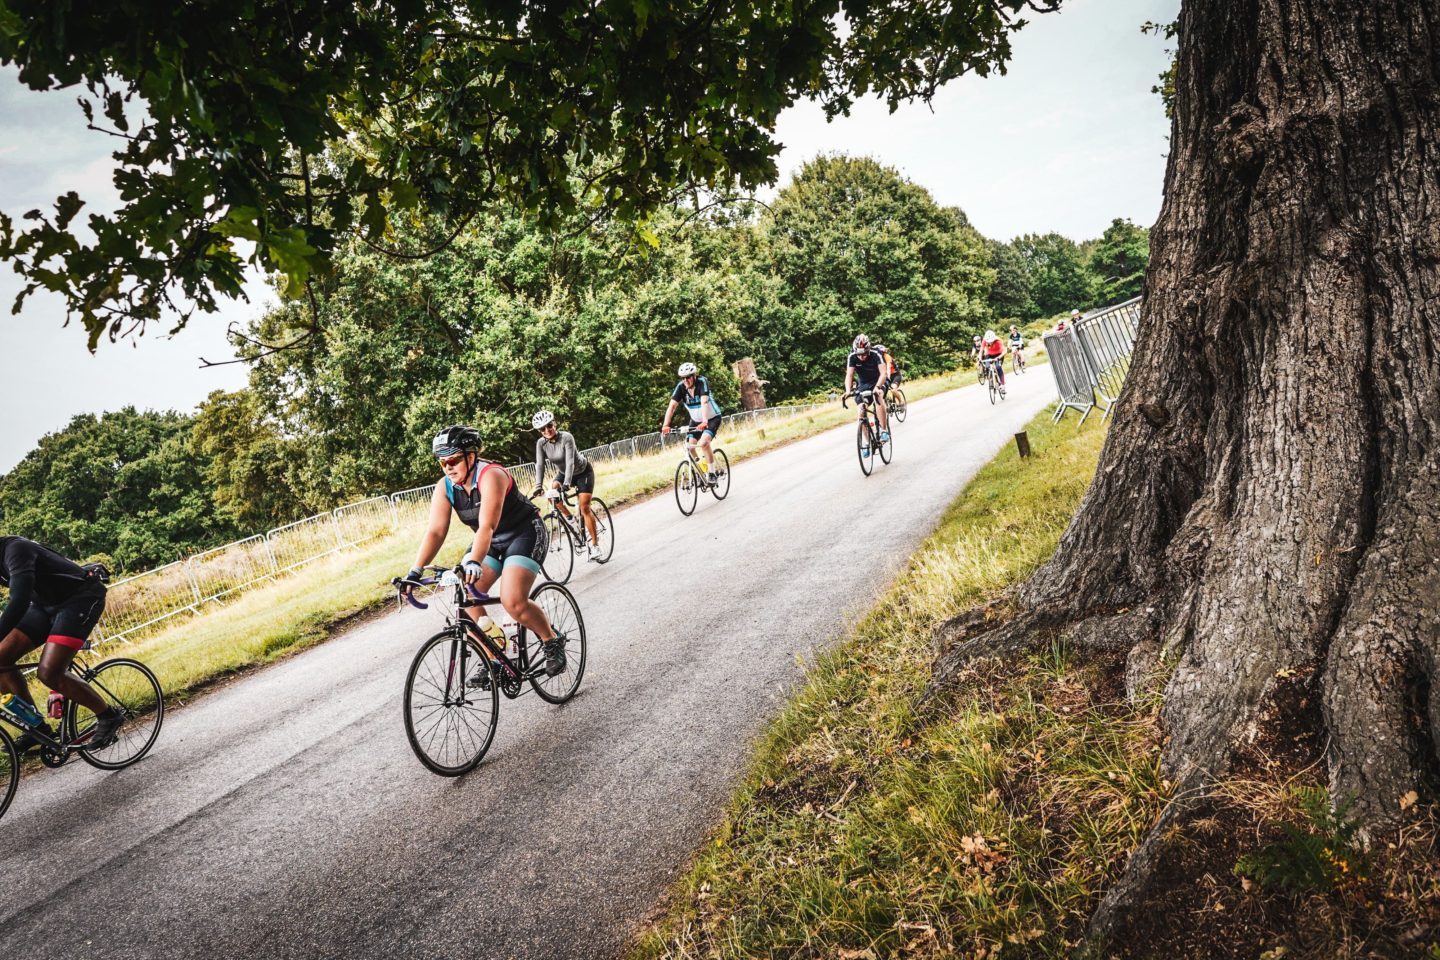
pixel 285 816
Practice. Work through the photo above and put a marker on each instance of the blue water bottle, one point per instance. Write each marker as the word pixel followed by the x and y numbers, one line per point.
pixel 20 712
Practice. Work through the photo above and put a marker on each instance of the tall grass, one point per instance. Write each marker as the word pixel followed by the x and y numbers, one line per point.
pixel 865 828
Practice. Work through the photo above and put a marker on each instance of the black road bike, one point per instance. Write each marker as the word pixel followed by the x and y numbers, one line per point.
pixel 569 538
pixel 867 434
pixel 451 711
pixel 690 482
pixel 126 685
pixel 895 403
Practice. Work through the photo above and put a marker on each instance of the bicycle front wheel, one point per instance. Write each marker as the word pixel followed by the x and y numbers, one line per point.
pixel 604 529
pixel 450 724
pixel 560 608
pixel 559 560
pixel 863 447
pixel 902 409
pixel 128 686
pixel 9 771
pixel 687 487
pixel 990 385
pixel 721 466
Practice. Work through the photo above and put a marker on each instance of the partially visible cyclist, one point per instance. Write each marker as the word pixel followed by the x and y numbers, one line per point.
pixel 865 371
pixel 558 447
pixel 510 538
pixel 693 390
pixel 992 355
pixel 1017 344
pixel 892 370
pixel 976 349
pixel 56 602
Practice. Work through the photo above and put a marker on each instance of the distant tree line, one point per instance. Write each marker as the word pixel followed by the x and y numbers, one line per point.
pixel 513 316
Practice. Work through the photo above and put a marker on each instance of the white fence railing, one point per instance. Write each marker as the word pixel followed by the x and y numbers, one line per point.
pixel 149 600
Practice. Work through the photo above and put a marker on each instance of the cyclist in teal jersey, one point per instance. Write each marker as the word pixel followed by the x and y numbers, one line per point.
pixel 510 538
pixel 693 390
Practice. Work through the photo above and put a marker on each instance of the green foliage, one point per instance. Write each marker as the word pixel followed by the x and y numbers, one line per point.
pixel 123 484
pixel 251 467
pixel 852 246
pixel 1318 855
pixel 1166 87
pixel 1059 278
pixel 229 113
pixel 1118 261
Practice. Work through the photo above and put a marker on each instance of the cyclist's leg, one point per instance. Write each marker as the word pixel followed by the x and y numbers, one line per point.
pixel 72 625
pixel 584 490
pixel 521 565
pixel 20 642
pixel 706 435
pixel 588 515
pixel 1000 370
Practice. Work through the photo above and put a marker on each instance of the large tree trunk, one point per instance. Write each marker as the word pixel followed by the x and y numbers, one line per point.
pixel 1268 500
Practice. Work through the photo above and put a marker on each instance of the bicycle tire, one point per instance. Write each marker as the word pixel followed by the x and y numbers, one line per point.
pixel 559 561
pixel 721 465
pixel 131 686
pixel 9 771
pixel 886 449
pixel 863 448
pixel 902 407
pixel 424 720
pixel 687 486
pixel 604 529
pixel 990 386
pixel 564 615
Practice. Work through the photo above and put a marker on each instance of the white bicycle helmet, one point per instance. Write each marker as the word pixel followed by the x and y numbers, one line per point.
pixel 862 342
pixel 542 419
pixel 686 369
pixel 990 336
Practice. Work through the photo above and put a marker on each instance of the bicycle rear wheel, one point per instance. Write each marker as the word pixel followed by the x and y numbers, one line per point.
pixel 721 487
pixel 687 487
pixel 559 560
pixel 9 771
pixel 129 686
pixel 564 615
pixel 885 448
pixel 450 725
pixel 604 529
pixel 863 446
pixel 901 408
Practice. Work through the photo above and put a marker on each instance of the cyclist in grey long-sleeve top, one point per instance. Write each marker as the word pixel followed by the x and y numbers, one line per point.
pixel 558 446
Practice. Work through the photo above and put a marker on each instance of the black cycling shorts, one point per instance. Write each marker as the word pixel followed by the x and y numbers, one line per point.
pixel 66 624
pixel 713 425
pixel 584 481
pixel 524 547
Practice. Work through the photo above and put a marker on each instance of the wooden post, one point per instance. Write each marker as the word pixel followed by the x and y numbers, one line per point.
pixel 1022 443
pixel 752 393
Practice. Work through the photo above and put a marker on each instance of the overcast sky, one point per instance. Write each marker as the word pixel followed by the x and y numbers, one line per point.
pixel 1068 140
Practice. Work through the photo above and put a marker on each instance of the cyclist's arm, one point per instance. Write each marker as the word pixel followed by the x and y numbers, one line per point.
pixel 492 501
pixel 567 443
pixel 20 566
pixel 540 459
pixel 669 412
pixel 436 526
pixel 849 379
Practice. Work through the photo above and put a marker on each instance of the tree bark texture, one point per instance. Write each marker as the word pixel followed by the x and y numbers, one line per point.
pixel 752 388
pixel 1268 499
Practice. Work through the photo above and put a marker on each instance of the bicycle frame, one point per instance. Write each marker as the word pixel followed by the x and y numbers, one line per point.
pixel 85 674
pixel 519 670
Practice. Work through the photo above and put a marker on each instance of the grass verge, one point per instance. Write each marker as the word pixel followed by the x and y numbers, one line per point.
pixel 305 607
pixel 866 828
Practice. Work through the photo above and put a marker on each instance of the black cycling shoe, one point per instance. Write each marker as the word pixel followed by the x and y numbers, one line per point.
pixel 554 655
pixel 106 726
pixel 480 679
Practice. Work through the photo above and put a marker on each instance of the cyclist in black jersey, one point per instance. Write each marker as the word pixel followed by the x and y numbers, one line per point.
pixel 510 538
pixel 56 602
pixel 866 370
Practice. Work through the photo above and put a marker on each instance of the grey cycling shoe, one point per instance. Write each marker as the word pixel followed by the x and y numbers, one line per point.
pixel 27 741
pixel 554 655
pixel 480 679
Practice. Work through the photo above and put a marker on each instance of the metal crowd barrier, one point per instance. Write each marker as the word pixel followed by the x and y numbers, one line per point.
pixel 1091 358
